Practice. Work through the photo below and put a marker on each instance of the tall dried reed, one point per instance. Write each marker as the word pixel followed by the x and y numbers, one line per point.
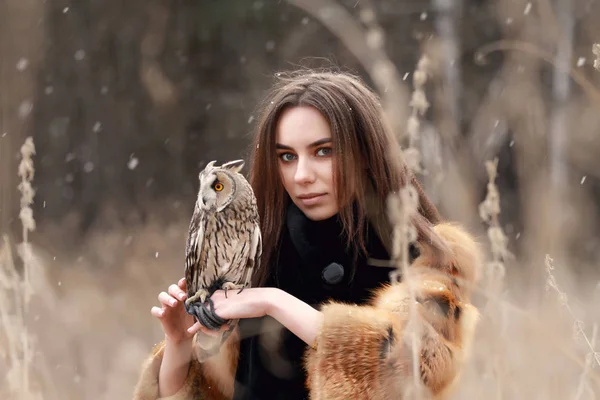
pixel 15 297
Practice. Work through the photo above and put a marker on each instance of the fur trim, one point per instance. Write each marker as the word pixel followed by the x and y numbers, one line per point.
pixel 366 352
pixel 348 362
pixel 147 386
pixel 217 374
pixel 211 380
pixel 465 256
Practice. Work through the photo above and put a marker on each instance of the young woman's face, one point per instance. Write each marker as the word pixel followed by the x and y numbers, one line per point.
pixel 304 150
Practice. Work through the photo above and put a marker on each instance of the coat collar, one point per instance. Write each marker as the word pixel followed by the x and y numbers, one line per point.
pixel 317 242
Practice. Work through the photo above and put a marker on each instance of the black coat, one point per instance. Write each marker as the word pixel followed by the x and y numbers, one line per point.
pixel 314 266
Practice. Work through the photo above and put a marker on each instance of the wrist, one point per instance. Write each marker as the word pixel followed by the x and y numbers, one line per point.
pixel 179 343
pixel 273 301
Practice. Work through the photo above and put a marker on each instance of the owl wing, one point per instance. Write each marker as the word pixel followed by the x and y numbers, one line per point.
pixel 255 253
pixel 195 241
pixel 245 256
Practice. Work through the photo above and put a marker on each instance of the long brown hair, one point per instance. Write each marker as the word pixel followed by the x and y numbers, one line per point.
pixel 367 160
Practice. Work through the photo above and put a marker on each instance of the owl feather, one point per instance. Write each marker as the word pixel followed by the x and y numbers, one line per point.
pixel 223 247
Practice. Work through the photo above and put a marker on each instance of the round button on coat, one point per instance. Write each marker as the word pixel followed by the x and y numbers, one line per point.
pixel 333 273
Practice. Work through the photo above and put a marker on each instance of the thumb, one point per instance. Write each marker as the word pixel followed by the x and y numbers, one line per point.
pixel 192 330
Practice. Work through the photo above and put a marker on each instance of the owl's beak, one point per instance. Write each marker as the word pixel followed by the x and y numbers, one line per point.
pixel 208 203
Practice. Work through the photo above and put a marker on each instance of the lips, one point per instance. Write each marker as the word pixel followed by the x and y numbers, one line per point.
pixel 310 196
pixel 311 199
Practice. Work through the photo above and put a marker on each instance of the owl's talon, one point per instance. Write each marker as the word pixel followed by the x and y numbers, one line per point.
pixel 200 295
pixel 230 285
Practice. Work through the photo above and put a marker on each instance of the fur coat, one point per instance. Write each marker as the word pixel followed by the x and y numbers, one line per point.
pixel 366 351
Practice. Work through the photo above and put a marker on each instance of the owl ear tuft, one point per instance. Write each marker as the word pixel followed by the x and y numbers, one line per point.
pixel 208 167
pixel 234 166
pixel 210 164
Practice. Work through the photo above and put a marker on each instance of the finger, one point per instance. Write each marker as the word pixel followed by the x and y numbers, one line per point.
pixel 182 284
pixel 195 328
pixel 167 300
pixel 176 292
pixel 157 312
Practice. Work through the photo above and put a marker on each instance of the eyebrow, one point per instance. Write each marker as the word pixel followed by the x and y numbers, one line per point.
pixel 313 144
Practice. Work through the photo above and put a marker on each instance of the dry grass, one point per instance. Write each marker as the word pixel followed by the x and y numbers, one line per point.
pixel 88 318
pixel 77 325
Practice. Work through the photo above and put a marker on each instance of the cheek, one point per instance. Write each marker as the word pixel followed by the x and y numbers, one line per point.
pixel 286 174
pixel 326 172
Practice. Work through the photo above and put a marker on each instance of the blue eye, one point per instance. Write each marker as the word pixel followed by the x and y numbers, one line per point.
pixel 287 157
pixel 324 151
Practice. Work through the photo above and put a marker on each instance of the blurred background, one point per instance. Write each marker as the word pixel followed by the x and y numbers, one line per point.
pixel 127 101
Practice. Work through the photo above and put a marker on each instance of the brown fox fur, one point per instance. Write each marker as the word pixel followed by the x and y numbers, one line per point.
pixel 211 380
pixel 366 351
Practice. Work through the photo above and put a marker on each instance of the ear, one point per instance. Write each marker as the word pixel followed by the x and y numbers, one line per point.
pixel 234 166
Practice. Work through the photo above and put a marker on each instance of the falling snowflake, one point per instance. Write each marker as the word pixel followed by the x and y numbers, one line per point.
pixel 88 166
pixel 25 109
pixel 79 55
pixel 132 163
pixel 22 64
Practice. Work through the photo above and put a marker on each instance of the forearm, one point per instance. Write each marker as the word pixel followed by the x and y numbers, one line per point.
pixel 300 318
pixel 174 367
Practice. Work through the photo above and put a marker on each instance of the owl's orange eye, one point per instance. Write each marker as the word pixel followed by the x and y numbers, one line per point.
pixel 219 187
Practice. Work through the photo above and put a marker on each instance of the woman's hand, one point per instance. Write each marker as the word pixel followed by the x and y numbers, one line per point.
pixel 172 315
pixel 249 303
pixel 297 316
pixel 178 338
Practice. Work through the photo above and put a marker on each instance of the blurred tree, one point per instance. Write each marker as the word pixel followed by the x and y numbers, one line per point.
pixel 131 99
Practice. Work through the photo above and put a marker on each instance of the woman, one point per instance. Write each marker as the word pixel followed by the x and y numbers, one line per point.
pixel 322 319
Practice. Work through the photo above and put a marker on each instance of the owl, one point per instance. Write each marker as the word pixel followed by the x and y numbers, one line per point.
pixel 223 247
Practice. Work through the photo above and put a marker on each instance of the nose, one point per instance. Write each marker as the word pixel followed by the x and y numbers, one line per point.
pixel 304 172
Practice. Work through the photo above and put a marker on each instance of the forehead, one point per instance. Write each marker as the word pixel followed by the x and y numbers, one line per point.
pixel 300 126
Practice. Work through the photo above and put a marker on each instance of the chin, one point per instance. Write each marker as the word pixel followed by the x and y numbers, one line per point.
pixel 319 213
